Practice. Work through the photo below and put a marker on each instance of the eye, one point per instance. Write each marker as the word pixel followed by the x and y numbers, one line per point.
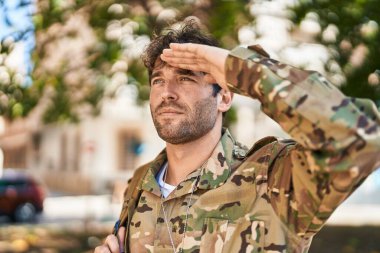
pixel 157 81
pixel 186 79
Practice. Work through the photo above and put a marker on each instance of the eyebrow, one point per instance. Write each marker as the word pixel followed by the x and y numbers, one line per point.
pixel 178 71
pixel 186 72
pixel 156 73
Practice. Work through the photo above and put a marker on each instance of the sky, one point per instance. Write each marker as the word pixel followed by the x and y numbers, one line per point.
pixel 16 22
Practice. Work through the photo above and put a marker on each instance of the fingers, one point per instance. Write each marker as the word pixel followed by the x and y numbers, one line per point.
pixel 179 56
pixel 187 51
pixel 111 245
pixel 168 52
pixel 185 61
pixel 174 59
pixel 186 64
pixel 198 57
pixel 187 47
pixel 121 236
pixel 102 249
pixel 210 79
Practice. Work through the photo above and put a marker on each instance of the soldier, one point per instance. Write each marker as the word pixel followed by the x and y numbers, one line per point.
pixel 207 193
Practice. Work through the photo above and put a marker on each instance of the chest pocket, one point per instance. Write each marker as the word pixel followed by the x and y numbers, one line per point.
pixel 243 235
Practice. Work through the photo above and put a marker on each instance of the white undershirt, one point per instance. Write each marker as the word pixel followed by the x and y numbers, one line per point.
pixel 165 188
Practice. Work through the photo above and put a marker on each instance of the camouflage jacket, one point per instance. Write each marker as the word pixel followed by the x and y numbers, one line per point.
pixel 276 196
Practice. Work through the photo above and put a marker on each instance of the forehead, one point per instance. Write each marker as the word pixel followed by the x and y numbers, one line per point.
pixel 160 67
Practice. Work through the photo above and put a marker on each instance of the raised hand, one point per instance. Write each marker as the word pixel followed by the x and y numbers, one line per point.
pixel 198 57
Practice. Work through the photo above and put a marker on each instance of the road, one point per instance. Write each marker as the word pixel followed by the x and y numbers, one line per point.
pixel 60 209
pixel 364 201
pixel 66 210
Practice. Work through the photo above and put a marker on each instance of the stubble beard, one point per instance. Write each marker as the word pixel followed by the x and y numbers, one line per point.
pixel 198 122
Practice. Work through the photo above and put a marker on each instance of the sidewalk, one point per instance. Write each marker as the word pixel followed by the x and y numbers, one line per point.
pixel 59 209
pixel 356 215
pixel 362 207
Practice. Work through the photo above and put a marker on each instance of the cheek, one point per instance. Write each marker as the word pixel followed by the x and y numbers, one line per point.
pixel 152 104
pixel 151 94
pixel 153 98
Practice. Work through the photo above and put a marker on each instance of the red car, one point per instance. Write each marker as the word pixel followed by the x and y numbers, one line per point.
pixel 21 197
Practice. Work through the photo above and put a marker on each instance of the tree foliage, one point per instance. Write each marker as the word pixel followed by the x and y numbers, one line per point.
pixel 350 30
pixel 86 50
pixel 16 100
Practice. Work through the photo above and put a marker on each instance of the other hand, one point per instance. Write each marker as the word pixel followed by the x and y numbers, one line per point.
pixel 113 244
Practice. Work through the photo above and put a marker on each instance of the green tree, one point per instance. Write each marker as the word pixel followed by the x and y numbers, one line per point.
pixel 85 50
pixel 16 100
pixel 350 30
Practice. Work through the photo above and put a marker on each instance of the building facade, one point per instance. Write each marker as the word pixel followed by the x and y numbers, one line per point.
pixel 100 153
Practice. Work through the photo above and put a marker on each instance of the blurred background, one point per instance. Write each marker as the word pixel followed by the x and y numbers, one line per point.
pixel 75 121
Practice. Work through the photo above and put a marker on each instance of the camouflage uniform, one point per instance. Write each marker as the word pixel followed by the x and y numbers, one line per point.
pixel 277 195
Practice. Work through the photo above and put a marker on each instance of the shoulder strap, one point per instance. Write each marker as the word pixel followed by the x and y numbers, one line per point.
pixel 131 198
pixel 279 146
pixel 133 191
pixel 269 148
pixel 260 144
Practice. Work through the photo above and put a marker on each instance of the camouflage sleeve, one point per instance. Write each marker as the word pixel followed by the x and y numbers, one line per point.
pixel 338 138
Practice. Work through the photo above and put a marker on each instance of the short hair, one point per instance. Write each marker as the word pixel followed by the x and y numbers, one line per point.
pixel 215 89
pixel 189 32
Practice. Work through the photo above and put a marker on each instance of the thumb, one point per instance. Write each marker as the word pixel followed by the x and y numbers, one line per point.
pixel 121 237
pixel 209 79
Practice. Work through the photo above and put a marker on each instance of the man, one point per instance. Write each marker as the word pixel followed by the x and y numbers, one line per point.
pixel 206 193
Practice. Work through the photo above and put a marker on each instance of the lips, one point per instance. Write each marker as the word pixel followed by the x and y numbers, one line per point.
pixel 168 111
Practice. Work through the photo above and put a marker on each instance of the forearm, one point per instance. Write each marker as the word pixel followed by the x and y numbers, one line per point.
pixel 338 137
pixel 312 110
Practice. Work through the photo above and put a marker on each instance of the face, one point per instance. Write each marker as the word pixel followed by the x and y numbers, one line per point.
pixel 181 103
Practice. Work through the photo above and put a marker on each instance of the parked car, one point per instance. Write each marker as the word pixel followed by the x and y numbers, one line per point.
pixel 21 196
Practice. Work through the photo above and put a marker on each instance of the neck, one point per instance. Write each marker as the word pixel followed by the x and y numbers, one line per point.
pixel 185 158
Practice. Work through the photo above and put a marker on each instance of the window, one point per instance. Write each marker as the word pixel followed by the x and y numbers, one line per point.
pixel 15 157
pixel 77 150
pixel 127 144
pixel 63 156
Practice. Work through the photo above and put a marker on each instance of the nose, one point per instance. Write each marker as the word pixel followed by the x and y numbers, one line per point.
pixel 169 92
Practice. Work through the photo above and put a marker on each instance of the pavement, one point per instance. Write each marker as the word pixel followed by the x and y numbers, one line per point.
pixel 362 208
pixel 70 211
pixel 59 209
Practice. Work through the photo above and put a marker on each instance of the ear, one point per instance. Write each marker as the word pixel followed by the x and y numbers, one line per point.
pixel 224 100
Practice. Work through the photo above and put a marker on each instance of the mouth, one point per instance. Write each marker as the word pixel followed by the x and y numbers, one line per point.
pixel 168 112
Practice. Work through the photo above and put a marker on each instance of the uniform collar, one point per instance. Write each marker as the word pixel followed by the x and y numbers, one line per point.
pixel 218 167
pixel 212 174
pixel 149 182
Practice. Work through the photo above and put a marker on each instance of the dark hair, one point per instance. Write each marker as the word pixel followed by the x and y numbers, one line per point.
pixel 215 89
pixel 189 32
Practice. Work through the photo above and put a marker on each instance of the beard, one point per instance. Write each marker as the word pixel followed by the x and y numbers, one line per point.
pixel 191 125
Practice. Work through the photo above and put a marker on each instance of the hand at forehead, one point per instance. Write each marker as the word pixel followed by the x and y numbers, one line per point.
pixel 198 57
pixel 160 65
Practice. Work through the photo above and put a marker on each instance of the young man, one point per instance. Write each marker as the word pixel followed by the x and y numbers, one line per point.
pixel 204 192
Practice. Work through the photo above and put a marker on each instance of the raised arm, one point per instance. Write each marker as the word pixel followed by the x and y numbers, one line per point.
pixel 312 110
pixel 338 138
